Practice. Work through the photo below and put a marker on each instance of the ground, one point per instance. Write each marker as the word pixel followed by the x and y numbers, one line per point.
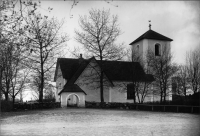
pixel 97 122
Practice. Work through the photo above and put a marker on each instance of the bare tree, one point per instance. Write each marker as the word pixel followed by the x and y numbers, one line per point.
pixel 49 93
pixel 13 47
pixel 6 75
pixel 141 83
pixel 162 68
pixel 11 41
pixel 181 81
pixel 44 44
pixel 12 30
pixel 193 69
pixel 98 36
pixel 19 82
pixel 12 78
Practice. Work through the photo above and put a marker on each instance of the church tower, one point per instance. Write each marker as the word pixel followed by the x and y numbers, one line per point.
pixel 152 41
pixel 157 44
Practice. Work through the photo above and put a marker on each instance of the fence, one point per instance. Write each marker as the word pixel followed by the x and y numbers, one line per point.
pixel 169 108
pixel 146 107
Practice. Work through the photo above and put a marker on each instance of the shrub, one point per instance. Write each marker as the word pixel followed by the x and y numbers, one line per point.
pixel 6 106
pixel 49 100
pixel 36 105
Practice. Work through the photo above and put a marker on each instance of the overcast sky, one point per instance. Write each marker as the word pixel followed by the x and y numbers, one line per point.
pixel 178 20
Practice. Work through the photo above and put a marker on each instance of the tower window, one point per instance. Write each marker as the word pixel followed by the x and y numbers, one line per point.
pixel 157 50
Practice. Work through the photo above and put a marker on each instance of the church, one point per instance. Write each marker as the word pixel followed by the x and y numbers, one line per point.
pixel 77 80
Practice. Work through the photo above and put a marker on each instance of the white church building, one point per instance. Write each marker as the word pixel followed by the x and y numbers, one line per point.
pixel 77 80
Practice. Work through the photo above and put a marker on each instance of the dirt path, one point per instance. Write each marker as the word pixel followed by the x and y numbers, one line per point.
pixel 94 122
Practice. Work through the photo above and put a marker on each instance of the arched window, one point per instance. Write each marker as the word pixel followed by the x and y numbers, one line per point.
pixel 157 49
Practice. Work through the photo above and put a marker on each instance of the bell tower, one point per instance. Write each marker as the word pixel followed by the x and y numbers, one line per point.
pixel 150 40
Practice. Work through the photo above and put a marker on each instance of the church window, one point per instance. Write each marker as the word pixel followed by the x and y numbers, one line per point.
pixel 138 47
pixel 130 91
pixel 157 50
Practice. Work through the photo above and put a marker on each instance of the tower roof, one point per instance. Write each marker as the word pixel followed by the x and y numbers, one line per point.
pixel 150 34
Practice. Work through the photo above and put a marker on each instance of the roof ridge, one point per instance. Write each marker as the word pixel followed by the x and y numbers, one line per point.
pixel 118 61
pixel 69 58
pixel 99 60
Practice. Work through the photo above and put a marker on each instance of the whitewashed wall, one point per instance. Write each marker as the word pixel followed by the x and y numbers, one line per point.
pixel 90 84
pixel 60 82
pixel 118 93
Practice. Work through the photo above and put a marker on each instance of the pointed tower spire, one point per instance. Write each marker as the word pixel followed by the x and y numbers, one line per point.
pixel 149 24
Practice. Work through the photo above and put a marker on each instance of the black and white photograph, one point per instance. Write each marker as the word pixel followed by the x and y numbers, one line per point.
pixel 99 68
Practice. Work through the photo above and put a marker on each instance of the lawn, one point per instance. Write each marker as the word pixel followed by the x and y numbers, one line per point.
pixel 97 122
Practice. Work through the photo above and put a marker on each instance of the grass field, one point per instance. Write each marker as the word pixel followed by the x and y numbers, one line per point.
pixel 97 122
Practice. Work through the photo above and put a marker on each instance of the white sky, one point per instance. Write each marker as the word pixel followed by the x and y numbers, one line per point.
pixel 178 20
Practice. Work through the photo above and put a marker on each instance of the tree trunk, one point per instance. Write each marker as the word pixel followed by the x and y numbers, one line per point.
pixel 6 96
pixel 138 94
pixel 21 96
pixel 134 99
pixel 165 93
pixel 161 97
pixel 185 95
pixel 144 93
pixel 1 91
pixel 13 102
pixel 134 90
pixel 7 90
pixel 164 97
pixel 101 87
pixel 42 75
pixel 41 88
pixel 101 78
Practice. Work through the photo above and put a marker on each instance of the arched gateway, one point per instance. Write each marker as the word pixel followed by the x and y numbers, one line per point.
pixel 72 96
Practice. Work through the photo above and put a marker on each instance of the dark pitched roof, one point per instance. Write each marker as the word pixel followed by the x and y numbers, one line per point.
pixel 71 88
pixel 82 65
pixel 123 71
pixel 149 78
pixel 69 67
pixel 150 34
pixel 114 70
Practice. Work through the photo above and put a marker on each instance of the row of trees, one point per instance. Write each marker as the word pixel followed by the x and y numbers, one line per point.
pixel 187 79
pixel 30 44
